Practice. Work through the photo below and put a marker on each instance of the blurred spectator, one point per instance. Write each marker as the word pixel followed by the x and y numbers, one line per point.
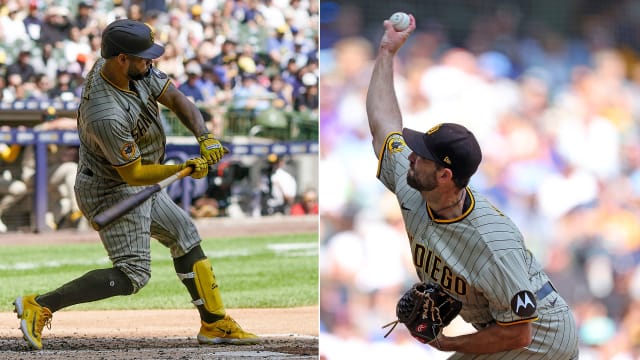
pixel 41 90
pixel 306 204
pixel 280 45
pixel 227 53
pixel 282 91
pixel 63 88
pixel 14 89
pixel 12 189
pixel 33 22
pixel 190 86
pixel 62 165
pixel 75 45
pixel 307 98
pixel 274 18
pixel 250 95
pixel 47 63
pixel 22 66
pixel 278 187
pixel 12 29
pixel 84 18
pixel 56 26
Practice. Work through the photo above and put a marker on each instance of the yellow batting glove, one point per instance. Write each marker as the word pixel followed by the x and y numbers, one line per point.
pixel 200 167
pixel 210 148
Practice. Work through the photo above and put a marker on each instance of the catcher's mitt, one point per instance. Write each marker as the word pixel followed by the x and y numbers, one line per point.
pixel 425 309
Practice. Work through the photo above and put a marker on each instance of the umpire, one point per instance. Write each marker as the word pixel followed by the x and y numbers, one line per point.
pixel 122 147
pixel 458 239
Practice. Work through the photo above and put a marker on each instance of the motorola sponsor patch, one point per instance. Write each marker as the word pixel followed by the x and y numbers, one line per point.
pixel 524 304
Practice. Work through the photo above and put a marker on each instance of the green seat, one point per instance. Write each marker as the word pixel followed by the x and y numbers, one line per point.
pixel 272 123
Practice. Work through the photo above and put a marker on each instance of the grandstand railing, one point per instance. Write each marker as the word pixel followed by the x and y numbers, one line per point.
pixel 41 139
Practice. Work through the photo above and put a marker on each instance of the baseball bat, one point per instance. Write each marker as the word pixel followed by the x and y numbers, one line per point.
pixel 117 210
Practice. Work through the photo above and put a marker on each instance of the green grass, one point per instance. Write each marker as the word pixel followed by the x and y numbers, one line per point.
pixel 259 271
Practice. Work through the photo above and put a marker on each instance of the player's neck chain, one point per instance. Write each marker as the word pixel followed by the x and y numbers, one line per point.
pixel 452 205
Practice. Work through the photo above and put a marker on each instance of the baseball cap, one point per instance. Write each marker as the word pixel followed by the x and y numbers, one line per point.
pixel 130 37
pixel 451 145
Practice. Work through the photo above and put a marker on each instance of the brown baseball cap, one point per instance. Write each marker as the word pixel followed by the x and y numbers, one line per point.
pixel 450 145
pixel 130 37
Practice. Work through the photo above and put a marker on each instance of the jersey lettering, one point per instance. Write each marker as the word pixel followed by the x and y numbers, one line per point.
pixel 438 270
pixel 145 119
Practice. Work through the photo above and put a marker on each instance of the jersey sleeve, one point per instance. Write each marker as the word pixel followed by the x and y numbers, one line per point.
pixel 507 287
pixel 114 138
pixel 394 161
pixel 158 82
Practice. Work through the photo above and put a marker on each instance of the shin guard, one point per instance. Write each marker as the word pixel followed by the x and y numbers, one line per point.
pixel 208 293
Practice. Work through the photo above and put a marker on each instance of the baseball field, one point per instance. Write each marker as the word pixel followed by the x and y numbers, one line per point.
pixel 266 268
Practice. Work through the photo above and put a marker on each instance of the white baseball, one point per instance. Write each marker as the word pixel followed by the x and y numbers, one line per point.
pixel 400 21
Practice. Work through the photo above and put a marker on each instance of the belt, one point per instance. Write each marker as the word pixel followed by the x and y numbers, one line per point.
pixel 86 171
pixel 545 290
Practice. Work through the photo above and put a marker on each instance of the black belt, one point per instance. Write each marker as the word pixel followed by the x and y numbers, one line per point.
pixel 86 171
pixel 545 290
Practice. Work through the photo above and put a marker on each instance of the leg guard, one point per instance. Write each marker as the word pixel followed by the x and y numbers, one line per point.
pixel 208 293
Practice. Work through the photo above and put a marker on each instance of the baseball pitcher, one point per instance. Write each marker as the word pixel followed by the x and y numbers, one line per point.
pixel 460 242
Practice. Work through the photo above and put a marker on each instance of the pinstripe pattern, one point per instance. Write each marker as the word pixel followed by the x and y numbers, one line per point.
pixel 117 126
pixel 480 258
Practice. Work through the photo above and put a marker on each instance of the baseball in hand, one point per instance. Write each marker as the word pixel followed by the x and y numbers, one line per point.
pixel 400 21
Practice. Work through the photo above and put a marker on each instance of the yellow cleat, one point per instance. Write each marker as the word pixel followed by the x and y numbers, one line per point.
pixel 33 318
pixel 225 331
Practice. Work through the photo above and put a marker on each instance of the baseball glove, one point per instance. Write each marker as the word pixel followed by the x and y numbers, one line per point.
pixel 425 310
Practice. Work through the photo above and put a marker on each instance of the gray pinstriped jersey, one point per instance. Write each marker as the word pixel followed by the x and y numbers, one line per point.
pixel 480 258
pixel 116 126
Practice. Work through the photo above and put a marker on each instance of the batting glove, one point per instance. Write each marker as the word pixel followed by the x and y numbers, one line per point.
pixel 210 148
pixel 200 167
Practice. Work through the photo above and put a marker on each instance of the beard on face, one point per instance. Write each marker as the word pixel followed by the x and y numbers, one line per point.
pixel 134 74
pixel 427 183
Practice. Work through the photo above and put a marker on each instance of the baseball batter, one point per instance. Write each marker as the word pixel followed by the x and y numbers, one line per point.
pixel 458 239
pixel 122 146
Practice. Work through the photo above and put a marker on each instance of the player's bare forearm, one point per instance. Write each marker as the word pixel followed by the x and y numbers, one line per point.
pixel 383 110
pixel 493 339
pixel 382 103
pixel 185 110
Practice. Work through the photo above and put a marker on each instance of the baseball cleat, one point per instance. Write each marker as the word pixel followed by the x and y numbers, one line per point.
pixel 33 318
pixel 225 331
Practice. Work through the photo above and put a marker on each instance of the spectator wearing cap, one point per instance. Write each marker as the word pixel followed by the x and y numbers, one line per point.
pixel 11 26
pixel 33 22
pixel 84 19
pixel 190 87
pixel 280 46
pixel 208 85
pixel 227 53
pixel 282 92
pixel 22 66
pixel 307 99
pixel 56 26
pixel 278 187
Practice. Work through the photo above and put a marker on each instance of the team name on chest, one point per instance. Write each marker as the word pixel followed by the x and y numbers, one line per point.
pixel 147 116
pixel 436 269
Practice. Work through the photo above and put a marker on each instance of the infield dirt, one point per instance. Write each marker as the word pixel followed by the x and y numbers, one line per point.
pixel 287 333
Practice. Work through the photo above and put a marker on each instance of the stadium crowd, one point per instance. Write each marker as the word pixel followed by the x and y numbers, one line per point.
pixel 558 120
pixel 226 55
